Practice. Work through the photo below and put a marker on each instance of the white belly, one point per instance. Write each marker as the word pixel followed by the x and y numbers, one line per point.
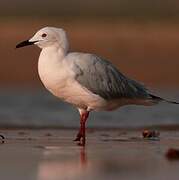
pixel 70 91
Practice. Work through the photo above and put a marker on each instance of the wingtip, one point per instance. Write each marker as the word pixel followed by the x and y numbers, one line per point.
pixel 161 99
pixel 172 102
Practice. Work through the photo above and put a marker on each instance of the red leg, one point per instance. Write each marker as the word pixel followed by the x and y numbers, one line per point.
pixel 81 134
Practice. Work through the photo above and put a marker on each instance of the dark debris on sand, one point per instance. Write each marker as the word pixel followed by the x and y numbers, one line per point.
pixel 172 154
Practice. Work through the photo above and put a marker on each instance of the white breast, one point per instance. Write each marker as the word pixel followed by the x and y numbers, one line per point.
pixel 52 71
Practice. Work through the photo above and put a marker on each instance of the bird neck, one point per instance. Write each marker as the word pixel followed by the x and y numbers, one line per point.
pixel 56 52
pixel 50 64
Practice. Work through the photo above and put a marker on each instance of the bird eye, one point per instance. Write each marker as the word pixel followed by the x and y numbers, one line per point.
pixel 44 35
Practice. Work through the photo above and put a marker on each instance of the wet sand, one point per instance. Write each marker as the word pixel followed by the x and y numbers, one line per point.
pixel 113 154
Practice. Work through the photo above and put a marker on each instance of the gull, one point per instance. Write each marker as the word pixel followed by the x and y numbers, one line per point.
pixel 85 80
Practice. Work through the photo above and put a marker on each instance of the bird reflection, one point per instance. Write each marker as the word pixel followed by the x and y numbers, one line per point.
pixel 83 157
pixel 61 162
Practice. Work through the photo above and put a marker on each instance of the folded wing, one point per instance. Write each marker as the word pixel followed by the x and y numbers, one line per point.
pixel 102 78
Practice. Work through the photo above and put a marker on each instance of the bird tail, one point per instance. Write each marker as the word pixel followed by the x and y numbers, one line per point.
pixel 157 99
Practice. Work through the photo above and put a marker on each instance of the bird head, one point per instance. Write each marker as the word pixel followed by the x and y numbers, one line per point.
pixel 46 37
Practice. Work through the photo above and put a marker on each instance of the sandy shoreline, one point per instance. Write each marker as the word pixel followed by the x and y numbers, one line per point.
pixel 51 155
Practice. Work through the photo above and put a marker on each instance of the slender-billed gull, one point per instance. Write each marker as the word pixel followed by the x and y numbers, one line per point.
pixel 85 80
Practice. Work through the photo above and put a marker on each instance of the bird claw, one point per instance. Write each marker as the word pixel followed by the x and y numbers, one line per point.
pixel 77 139
pixel 81 139
pixel 81 144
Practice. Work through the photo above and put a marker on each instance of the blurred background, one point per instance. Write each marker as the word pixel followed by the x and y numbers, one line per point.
pixel 140 37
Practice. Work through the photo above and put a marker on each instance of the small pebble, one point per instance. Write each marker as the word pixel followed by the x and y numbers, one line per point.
pixel 30 139
pixel 48 134
pixel 172 154
pixel 2 137
pixel 150 134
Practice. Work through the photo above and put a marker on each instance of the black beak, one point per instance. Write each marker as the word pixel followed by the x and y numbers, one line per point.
pixel 25 43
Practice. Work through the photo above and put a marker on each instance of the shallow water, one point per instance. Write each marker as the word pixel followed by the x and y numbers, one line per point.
pixel 38 108
pixel 52 155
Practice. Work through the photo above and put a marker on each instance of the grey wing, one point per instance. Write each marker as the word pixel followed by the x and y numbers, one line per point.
pixel 102 78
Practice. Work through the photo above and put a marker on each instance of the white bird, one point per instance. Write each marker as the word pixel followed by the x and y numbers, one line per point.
pixel 84 80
